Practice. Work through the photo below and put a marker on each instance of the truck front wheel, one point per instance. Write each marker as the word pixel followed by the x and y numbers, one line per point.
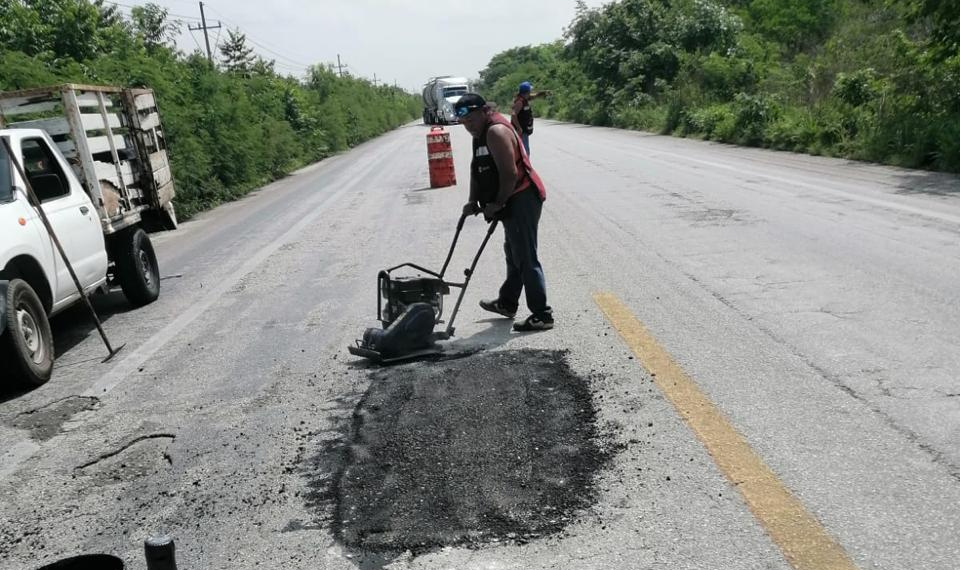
pixel 27 341
pixel 137 268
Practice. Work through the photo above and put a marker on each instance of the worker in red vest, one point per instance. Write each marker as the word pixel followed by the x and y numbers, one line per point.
pixel 521 115
pixel 503 185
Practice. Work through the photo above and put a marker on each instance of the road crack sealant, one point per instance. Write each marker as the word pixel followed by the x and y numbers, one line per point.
pixel 127 446
pixel 496 448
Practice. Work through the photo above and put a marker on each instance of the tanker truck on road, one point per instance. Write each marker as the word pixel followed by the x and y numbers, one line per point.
pixel 439 95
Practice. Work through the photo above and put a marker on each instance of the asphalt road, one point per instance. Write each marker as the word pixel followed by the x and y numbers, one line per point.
pixel 795 334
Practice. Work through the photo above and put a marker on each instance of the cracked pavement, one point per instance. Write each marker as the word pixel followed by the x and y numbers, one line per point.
pixel 816 302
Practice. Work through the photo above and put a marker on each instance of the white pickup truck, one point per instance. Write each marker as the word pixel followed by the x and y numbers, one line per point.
pixel 95 158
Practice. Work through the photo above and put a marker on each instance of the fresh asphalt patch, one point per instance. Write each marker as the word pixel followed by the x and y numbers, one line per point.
pixel 496 447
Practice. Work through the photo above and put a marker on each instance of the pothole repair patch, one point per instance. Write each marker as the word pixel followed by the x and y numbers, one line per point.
pixel 500 446
pixel 45 422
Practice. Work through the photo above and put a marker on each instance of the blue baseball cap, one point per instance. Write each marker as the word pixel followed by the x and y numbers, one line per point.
pixel 525 87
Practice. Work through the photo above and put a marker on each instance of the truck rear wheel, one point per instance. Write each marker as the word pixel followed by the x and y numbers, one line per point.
pixel 27 341
pixel 137 268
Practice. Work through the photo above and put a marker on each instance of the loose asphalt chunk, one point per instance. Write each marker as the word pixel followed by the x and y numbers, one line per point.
pixel 498 446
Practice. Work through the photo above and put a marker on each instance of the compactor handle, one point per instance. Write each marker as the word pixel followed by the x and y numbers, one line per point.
pixel 456 236
pixel 469 274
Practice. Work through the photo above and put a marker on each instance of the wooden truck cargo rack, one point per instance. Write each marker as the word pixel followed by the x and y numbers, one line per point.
pixel 115 142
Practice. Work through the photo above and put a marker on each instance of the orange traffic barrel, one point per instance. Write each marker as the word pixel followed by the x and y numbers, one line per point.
pixel 440 157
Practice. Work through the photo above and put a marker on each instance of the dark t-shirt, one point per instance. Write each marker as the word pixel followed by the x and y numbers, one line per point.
pixel 521 108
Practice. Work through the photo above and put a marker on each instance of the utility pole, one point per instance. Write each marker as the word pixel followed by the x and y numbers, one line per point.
pixel 203 26
pixel 340 66
pixel 375 80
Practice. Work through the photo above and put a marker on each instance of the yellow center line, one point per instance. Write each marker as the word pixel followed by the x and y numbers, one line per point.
pixel 804 542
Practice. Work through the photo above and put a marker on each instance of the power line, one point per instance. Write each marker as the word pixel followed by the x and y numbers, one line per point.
pixel 184 2
pixel 265 48
pixel 279 60
pixel 277 56
pixel 260 43
pixel 292 63
pixel 216 43
pixel 200 49
pixel 284 62
pixel 206 37
pixel 183 16
pixel 287 65
pixel 129 17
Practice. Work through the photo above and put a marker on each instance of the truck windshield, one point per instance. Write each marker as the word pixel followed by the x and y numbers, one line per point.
pixel 6 176
pixel 454 91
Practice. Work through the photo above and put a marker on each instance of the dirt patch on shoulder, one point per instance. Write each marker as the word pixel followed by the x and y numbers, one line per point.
pixel 499 446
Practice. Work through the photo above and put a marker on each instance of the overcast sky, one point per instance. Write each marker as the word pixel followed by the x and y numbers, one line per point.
pixel 407 41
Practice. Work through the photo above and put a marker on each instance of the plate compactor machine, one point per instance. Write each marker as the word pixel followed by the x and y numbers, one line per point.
pixel 409 307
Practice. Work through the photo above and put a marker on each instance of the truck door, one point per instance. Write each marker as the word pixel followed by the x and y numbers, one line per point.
pixel 20 222
pixel 71 214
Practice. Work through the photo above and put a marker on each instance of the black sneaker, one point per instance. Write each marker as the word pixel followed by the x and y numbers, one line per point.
pixel 495 307
pixel 534 323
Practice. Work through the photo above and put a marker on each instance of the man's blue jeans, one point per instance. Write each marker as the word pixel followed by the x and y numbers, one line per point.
pixel 526 142
pixel 524 272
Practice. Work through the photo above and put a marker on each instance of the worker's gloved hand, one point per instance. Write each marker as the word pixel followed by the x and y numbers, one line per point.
pixel 491 210
pixel 471 209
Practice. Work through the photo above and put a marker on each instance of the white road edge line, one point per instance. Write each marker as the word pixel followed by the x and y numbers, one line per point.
pixel 17 454
pixel 23 450
pixel 129 364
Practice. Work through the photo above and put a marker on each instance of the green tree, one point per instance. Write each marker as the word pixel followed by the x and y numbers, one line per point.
pixel 262 66
pixel 237 56
pixel 869 79
pixel 796 25
pixel 226 132
pixel 703 26
pixel 75 29
pixel 632 46
pixel 156 30
pixel 944 16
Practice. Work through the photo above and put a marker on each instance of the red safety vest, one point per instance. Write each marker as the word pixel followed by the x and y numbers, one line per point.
pixel 484 169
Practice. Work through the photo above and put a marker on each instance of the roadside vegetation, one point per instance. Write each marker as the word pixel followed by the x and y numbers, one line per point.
pixel 230 127
pixel 875 80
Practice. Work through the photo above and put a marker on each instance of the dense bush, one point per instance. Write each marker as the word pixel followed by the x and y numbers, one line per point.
pixel 867 79
pixel 227 131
